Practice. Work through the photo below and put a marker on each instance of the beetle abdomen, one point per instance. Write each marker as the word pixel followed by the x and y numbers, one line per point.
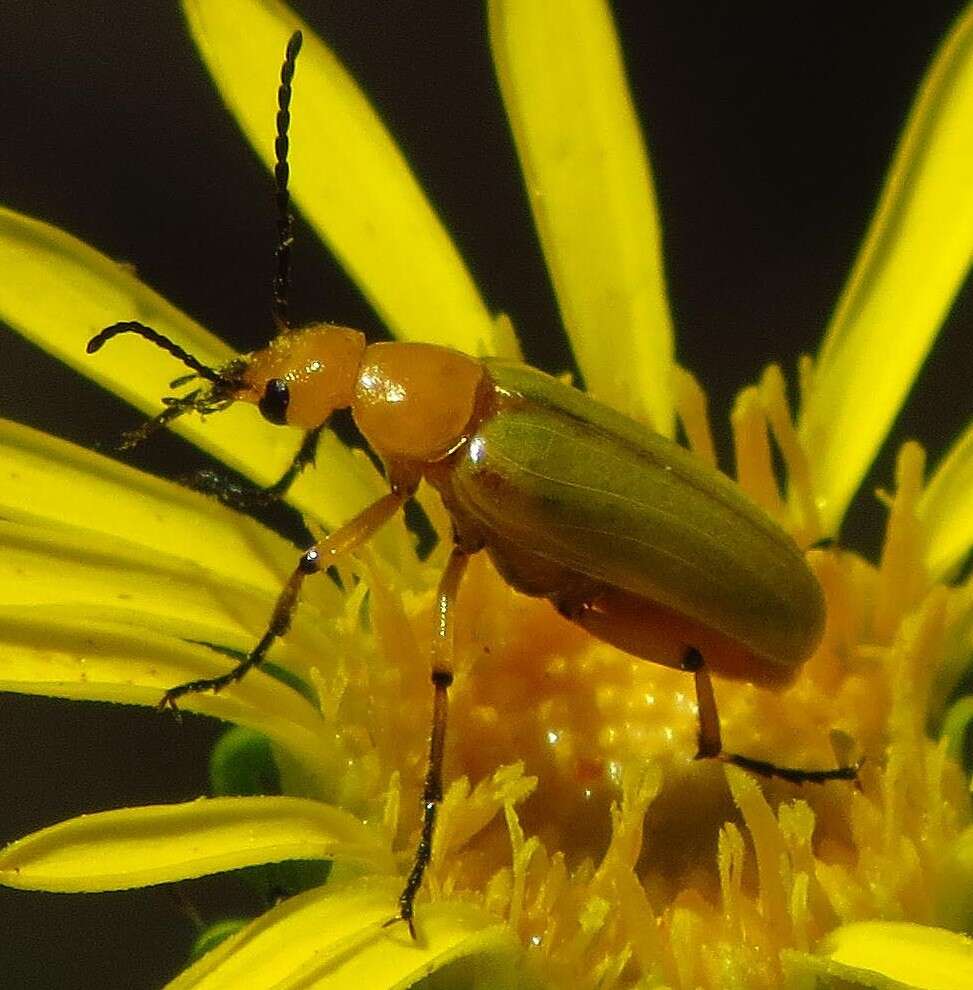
pixel 602 497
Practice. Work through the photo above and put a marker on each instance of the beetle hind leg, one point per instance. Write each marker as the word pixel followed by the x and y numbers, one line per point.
pixel 648 630
pixel 711 743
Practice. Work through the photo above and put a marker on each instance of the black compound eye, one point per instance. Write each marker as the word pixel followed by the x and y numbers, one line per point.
pixel 273 403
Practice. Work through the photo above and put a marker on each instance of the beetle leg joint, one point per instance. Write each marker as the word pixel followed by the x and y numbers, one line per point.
pixel 692 660
pixel 708 749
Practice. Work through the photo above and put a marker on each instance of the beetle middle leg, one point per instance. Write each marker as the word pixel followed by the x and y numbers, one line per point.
pixel 317 558
pixel 442 678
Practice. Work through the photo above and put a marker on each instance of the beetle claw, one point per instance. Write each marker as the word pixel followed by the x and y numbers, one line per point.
pixel 407 918
pixel 168 702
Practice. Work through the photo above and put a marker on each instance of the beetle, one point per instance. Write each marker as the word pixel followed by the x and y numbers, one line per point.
pixel 625 532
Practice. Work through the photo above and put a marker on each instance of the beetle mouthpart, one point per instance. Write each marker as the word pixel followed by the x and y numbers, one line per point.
pixel 199 401
pixel 174 409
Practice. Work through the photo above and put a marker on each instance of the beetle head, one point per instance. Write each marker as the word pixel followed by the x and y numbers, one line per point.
pixel 299 379
pixel 304 375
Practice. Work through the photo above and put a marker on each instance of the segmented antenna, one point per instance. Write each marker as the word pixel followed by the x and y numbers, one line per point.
pixel 101 338
pixel 285 221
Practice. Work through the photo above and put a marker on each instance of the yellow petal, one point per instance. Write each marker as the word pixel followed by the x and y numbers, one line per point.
pixel 58 292
pixel 66 652
pixel 92 507
pixel 50 480
pixel 332 937
pixel 95 570
pixel 910 266
pixel 946 509
pixel 350 179
pixel 590 188
pixel 50 566
pixel 136 847
pixel 46 480
pixel 889 955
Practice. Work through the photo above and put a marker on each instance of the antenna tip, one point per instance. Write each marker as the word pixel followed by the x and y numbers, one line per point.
pixel 294 45
pixel 95 343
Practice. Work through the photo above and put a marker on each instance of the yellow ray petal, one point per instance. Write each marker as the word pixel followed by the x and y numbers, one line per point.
pixel 51 566
pixel 136 847
pixel 46 480
pixel 50 480
pixel 946 508
pixel 65 652
pixel 590 187
pixel 890 955
pixel 910 266
pixel 58 292
pixel 47 566
pixel 332 937
pixel 350 179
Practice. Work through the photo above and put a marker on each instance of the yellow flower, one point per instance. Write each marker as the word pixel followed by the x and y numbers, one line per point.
pixel 579 843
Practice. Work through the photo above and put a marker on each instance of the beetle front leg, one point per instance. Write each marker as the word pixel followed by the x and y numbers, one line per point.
pixel 319 557
pixel 245 497
pixel 442 678
pixel 303 458
pixel 711 743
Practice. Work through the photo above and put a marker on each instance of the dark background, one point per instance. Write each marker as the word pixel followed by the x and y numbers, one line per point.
pixel 770 128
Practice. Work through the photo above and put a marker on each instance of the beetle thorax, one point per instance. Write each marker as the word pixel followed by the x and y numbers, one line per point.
pixel 415 401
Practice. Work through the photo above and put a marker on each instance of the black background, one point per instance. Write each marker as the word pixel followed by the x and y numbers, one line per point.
pixel 770 128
